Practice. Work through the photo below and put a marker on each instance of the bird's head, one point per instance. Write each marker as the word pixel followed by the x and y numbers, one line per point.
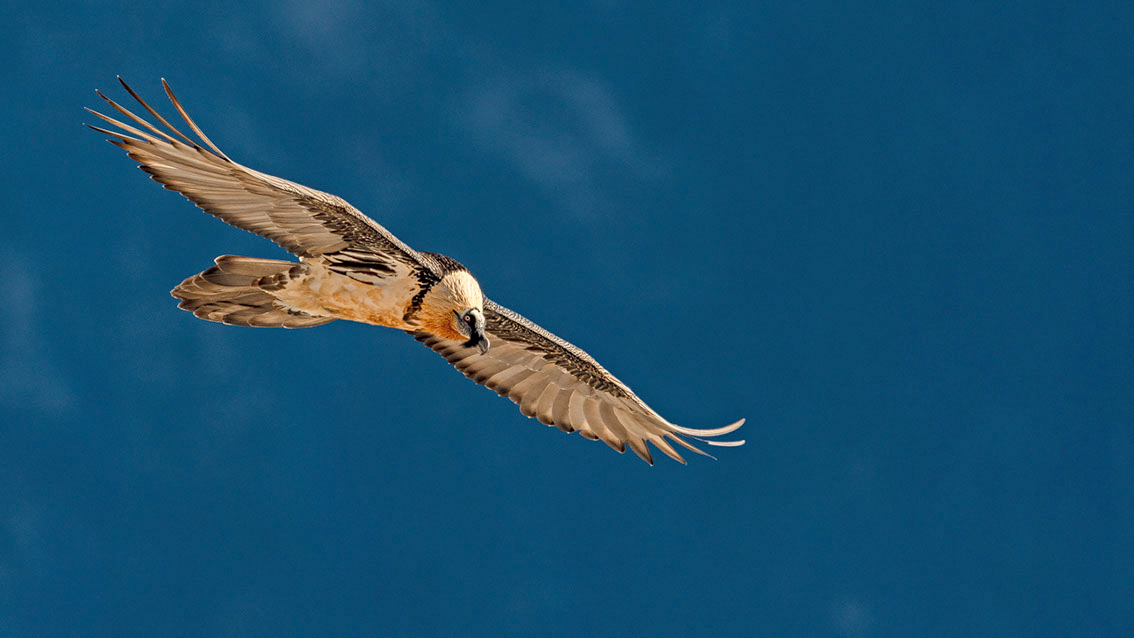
pixel 454 309
pixel 470 324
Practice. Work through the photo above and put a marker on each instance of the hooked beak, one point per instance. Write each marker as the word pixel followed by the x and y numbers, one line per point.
pixel 474 330
pixel 478 339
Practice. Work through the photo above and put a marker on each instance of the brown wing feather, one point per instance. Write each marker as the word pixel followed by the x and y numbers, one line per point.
pixel 302 220
pixel 561 385
pixel 548 377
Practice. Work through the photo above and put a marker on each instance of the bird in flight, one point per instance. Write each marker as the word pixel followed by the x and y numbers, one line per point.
pixel 350 267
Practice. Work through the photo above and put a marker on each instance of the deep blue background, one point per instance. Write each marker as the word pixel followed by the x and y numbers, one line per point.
pixel 898 240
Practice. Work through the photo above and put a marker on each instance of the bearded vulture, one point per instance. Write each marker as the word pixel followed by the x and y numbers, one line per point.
pixel 350 267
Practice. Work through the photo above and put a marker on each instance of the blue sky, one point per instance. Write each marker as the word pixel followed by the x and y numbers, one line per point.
pixel 898 240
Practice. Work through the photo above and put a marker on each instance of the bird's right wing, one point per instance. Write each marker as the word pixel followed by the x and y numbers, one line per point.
pixel 304 221
pixel 561 385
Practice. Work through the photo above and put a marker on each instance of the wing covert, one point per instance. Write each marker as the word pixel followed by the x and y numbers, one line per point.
pixel 561 385
pixel 304 221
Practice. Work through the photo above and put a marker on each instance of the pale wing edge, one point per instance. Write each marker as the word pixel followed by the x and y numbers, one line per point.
pixel 561 385
pixel 215 169
pixel 522 325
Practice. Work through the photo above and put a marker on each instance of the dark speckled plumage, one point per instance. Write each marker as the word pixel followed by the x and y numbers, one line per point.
pixel 550 379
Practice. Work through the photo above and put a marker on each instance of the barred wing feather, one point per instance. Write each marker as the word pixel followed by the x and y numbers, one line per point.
pixel 302 220
pixel 560 385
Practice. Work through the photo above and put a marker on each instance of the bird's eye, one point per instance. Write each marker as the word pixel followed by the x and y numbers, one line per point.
pixel 468 319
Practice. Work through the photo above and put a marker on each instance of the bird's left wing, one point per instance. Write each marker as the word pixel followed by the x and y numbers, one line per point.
pixel 304 221
pixel 561 385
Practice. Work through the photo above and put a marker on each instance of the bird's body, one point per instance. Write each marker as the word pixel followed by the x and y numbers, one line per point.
pixel 352 268
pixel 326 293
pixel 318 289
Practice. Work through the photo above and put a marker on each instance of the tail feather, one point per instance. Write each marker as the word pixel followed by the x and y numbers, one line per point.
pixel 235 291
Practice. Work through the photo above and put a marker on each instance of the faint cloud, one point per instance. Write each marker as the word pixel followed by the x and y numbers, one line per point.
pixel 562 130
pixel 388 189
pixel 29 379
pixel 851 618
pixel 325 30
pixel 349 37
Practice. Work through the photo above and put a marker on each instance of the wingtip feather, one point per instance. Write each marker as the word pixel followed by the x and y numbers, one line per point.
pixel 188 120
pixel 694 432
pixel 725 443
pixel 661 444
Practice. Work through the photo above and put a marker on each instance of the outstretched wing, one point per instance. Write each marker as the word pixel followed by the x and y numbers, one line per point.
pixel 563 386
pixel 304 221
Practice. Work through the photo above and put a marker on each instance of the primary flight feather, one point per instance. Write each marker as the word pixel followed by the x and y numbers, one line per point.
pixel 352 268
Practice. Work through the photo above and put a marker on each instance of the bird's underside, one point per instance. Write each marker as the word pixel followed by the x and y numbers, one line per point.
pixel 352 268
